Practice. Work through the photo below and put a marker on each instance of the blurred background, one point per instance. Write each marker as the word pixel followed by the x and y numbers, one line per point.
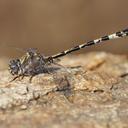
pixel 56 25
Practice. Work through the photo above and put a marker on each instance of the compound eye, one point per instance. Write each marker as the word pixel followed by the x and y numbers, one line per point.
pixel 12 61
pixel 14 66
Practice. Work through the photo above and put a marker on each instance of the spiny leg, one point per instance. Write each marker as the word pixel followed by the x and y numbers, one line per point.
pixel 124 75
pixel 22 77
pixel 15 78
pixel 30 79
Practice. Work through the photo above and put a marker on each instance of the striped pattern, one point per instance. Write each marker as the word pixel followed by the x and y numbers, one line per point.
pixel 116 35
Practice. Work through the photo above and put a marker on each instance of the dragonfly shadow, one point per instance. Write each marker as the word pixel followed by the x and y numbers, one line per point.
pixel 48 69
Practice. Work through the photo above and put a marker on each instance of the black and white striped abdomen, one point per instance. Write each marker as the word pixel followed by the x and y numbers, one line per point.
pixel 116 35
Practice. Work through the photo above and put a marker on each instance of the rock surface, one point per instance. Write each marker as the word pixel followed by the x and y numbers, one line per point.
pixel 91 91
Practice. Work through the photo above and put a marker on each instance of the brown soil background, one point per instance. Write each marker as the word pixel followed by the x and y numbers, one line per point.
pixel 52 26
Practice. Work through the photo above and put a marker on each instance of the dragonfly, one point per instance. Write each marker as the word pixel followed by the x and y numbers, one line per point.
pixel 33 62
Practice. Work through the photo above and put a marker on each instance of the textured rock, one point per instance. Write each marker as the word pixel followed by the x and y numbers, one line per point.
pixel 91 91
